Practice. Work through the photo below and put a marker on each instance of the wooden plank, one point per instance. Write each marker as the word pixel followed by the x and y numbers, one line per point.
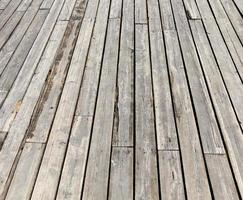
pixel 24 5
pixel 124 126
pixel 26 171
pixel 8 49
pixel 121 175
pixel 239 5
pixel 193 163
pixel 67 10
pixel 234 16
pixel 14 65
pixel 165 123
pixel 96 179
pixel 226 65
pixel 191 9
pixel 42 121
pixel 55 150
pixel 230 37
pixel 208 128
pixel 20 125
pixel 221 177
pixel 146 174
pixel 47 4
pixel 140 12
pixel 167 15
pixel 26 73
pixel 71 183
pixel 230 128
pixel 8 11
pixel 7 30
pixel 4 3
pixel 172 186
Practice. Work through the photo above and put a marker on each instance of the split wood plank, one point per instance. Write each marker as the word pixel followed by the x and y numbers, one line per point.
pixel 14 65
pixel 26 172
pixel 20 125
pixel 230 128
pixel 71 183
pixel 226 65
pixel 24 76
pixel 97 173
pixel 172 186
pixel 51 165
pixel 17 36
pixel 124 118
pixel 146 171
pixel 191 9
pixel 165 122
pixel 121 175
pixel 208 127
pixel 193 164
pixel 234 16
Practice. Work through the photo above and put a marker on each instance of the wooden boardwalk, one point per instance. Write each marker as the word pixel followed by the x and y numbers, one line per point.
pixel 121 99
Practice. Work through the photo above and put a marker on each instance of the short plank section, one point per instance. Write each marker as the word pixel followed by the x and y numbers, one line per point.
pixel 172 186
pixel 121 175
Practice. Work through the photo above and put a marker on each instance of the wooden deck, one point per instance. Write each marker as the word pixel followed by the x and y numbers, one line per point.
pixel 121 99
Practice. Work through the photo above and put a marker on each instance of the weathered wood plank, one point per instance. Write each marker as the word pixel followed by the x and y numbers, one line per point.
pixel 191 9
pixel 8 11
pixel 208 128
pixel 67 10
pixel 140 12
pixel 226 65
pixel 230 37
pixel 96 179
pixel 121 175
pixel 124 122
pixel 165 123
pixel 25 24
pixel 239 5
pixel 76 157
pixel 56 146
pixel 26 171
pixel 20 125
pixel 146 174
pixel 193 164
pixel 234 16
pixel 14 65
pixel 26 73
pixel 47 4
pixel 43 119
pixel 167 15
pixel 172 186
pixel 7 30
pixel 230 128
pixel 4 3
pixel 221 177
